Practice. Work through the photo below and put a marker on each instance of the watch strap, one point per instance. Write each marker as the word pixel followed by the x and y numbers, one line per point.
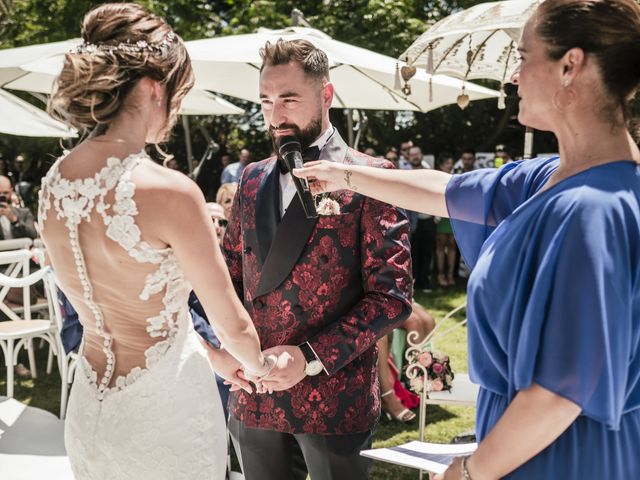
pixel 307 351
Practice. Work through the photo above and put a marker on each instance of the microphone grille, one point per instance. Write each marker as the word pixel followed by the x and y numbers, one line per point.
pixel 289 144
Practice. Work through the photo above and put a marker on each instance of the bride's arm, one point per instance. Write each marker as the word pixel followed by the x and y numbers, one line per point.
pixel 417 190
pixel 188 229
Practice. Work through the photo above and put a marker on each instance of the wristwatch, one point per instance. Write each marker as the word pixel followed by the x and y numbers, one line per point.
pixel 314 366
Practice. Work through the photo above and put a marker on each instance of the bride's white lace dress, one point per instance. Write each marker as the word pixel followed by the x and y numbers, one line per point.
pixel 144 403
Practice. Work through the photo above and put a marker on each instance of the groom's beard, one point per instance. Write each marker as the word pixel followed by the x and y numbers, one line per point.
pixel 305 136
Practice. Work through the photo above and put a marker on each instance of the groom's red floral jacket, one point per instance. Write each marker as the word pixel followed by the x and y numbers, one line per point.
pixel 339 282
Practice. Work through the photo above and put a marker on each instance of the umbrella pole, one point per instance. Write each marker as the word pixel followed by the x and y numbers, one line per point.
pixel 350 126
pixel 528 143
pixel 187 141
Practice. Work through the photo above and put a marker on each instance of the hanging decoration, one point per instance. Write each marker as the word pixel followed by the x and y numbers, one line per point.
pixel 430 69
pixel 463 99
pixel 396 84
pixel 407 73
pixel 501 99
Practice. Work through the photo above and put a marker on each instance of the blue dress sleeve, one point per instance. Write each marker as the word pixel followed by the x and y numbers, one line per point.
pixel 477 201
pixel 578 329
pixel 201 322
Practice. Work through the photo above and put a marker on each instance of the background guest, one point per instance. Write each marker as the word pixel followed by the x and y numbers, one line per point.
pixel 396 399
pixel 15 222
pixel 232 172
pixel 423 237
pixel 446 248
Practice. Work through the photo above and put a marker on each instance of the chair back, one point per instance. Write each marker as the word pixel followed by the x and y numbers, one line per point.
pixel 15 265
pixel 51 289
pixel 15 244
pixel 417 371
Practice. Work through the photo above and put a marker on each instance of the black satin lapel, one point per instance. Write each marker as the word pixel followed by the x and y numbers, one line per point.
pixel 267 210
pixel 290 239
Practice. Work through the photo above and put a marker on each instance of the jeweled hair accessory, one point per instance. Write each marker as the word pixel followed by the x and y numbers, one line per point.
pixel 128 47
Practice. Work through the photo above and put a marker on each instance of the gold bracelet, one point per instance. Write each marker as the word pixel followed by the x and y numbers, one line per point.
pixel 464 474
pixel 268 365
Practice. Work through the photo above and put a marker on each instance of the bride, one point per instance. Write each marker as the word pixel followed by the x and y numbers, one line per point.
pixel 127 238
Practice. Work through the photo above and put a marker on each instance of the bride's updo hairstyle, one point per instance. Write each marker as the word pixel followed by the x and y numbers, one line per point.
pixel 121 43
pixel 606 30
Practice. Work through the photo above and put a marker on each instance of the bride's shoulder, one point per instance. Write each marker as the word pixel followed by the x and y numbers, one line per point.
pixel 162 185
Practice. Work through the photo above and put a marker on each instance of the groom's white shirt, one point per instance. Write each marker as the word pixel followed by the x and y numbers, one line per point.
pixel 287 188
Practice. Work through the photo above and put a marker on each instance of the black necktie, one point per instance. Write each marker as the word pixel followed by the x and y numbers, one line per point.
pixel 308 155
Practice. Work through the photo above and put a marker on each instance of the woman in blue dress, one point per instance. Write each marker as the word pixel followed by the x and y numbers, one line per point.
pixel 554 297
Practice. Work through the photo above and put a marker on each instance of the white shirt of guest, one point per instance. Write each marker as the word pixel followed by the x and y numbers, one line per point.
pixel 287 188
pixel 5 224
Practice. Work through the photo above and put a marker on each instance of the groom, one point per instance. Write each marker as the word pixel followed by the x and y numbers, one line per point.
pixel 320 291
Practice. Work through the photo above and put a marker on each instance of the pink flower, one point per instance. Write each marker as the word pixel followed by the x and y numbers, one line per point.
pixel 416 384
pixel 437 385
pixel 437 368
pixel 425 359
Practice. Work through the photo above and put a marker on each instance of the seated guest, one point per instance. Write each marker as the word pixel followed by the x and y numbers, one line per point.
pixel 224 198
pixel 15 222
pixel 397 400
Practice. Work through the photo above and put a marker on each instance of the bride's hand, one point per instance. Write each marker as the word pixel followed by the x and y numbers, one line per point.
pixel 323 176
pixel 228 368
pixel 257 379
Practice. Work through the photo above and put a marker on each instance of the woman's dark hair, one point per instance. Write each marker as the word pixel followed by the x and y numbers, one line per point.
pixel 607 30
pixel 442 159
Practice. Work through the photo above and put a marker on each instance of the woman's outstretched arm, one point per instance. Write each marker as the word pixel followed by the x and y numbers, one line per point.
pixel 417 190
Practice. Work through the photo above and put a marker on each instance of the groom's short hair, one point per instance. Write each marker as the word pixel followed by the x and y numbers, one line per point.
pixel 314 61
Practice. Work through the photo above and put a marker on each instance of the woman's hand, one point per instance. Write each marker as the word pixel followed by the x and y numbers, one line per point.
pixel 324 176
pixel 454 472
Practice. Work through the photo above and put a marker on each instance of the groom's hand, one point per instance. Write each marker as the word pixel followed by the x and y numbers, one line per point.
pixel 288 370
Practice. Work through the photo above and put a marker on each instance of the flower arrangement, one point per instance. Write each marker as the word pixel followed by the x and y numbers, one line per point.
pixel 437 368
pixel 327 206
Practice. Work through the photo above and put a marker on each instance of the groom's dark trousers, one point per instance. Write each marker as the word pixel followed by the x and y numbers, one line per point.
pixel 338 282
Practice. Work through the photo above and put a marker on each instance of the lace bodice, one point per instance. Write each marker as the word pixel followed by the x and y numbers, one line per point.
pixel 104 275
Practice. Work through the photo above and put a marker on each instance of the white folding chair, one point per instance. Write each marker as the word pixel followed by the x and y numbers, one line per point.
pixel 15 264
pixel 16 334
pixel 67 362
pixel 463 392
pixel 15 244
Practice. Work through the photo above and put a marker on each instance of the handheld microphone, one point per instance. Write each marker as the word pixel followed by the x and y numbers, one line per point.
pixel 291 152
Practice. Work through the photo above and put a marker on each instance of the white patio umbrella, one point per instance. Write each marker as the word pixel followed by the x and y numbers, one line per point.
pixel 362 79
pixel 480 42
pixel 11 59
pixel 34 68
pixel 21 118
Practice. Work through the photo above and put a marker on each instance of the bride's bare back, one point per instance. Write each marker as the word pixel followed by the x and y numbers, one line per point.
pixel 119 231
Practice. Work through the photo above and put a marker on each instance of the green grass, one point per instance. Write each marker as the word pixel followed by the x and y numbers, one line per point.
pixel 443 423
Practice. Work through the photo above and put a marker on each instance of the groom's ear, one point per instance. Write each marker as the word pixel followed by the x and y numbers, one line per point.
pixel 327 94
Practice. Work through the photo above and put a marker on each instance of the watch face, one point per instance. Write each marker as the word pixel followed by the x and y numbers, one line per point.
pixel 313 368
